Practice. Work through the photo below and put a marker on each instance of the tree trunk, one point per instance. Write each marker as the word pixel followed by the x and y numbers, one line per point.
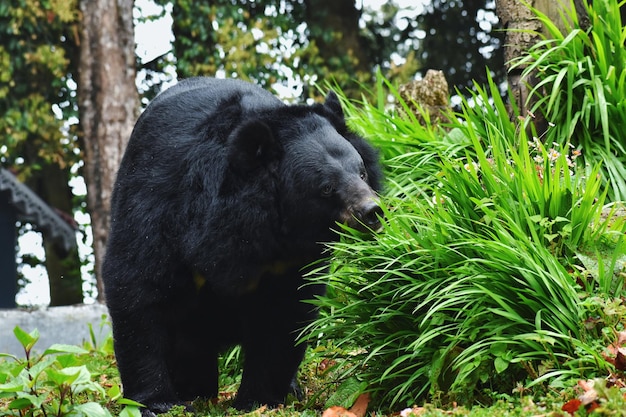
pixel 108 105
pixel 66 285
pixel 522 32
pixel 334 27
pixel 51 183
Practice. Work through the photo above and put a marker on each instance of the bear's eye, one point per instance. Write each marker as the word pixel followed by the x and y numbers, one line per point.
pixel 328 190
pixel 363 175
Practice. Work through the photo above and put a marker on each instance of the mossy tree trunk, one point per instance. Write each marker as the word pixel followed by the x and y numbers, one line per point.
pixel 108 105
pixel 523 30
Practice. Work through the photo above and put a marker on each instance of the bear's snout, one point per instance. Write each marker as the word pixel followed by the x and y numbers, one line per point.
pixel 364 215
pixel 369 214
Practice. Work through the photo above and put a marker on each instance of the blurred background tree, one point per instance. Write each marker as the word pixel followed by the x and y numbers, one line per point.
pixel 299 42
pixel 284 45
pixel 38 142
pixel 462 38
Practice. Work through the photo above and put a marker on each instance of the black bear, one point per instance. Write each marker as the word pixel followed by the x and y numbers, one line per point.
pixel 223 198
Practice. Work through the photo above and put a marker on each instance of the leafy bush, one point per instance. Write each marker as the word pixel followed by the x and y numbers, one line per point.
pixel 477 279
pixel 56 383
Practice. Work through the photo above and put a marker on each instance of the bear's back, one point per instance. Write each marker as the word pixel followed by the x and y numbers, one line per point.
pixel 209 94
pixel 181 113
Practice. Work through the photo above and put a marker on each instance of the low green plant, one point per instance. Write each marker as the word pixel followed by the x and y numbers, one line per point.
pixel 470 285
pixel 56 383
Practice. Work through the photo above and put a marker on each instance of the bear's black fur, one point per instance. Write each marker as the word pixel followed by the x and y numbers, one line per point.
pixel 222 199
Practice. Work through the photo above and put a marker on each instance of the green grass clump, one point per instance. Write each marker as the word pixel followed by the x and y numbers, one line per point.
pixel 476 282
pixel 582 86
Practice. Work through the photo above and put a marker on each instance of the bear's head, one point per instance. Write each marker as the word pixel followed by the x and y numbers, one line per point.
pixel 322 173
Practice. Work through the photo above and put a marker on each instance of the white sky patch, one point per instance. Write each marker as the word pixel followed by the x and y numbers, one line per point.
pixel 152 38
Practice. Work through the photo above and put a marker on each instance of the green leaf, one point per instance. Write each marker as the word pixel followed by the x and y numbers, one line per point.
pixel 550 236
pixel 500 364
pixel 128 401
pixel 27 340
pixel 92 409
pixel 13 386
pixel 498 348
pixel 20 404
pixel 29 399
pixel 8 355
pixel 130 411
pixel 60 348
pixel 36 370
pixel 115 392
pixel 67 360
pixel 64 376
pixel 347 393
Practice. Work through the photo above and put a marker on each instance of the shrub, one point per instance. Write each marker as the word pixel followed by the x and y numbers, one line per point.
pixel 58 382
pixel 474 280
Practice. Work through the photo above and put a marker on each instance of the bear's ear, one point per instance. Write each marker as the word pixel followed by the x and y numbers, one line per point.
pixel 334 105
pixel 252 146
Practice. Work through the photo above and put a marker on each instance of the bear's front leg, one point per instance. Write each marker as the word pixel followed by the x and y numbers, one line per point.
pixel 193 360
pixel 272 319
pixel 140 350
pixel 142 343
pixel 269 372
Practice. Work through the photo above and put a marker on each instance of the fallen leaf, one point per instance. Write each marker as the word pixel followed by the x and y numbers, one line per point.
pixel 325 364
pixel 616 353
pixel 571 406
pixel 359 408
pixel 413 412
pixel 620 359
pixel 336 411
pixel 592 406
pixel 590 395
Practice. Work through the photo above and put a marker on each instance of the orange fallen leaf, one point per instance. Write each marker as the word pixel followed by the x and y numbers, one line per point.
pixel 359 408
pixel 592 406
pixel 325 364
pixel 571 406
pixel 620 359
pixel 616 354
pixel 336 411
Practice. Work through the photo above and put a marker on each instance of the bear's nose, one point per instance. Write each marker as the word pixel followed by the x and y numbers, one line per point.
pixel 369 214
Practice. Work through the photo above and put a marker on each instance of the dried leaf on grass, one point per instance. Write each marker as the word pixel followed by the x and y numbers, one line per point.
pixel 616 353
pixel 357 410
pixel 571 406
pixel 588 399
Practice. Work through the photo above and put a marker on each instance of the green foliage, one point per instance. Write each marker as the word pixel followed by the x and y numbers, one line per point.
pixel 470 284
pixel 69 373
pixel 38 116
pixel 271 43
pixel 498 267
pixel 36 58
pixel 303 42
pixel 56 383
pixel 582 87
pixel 231 40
